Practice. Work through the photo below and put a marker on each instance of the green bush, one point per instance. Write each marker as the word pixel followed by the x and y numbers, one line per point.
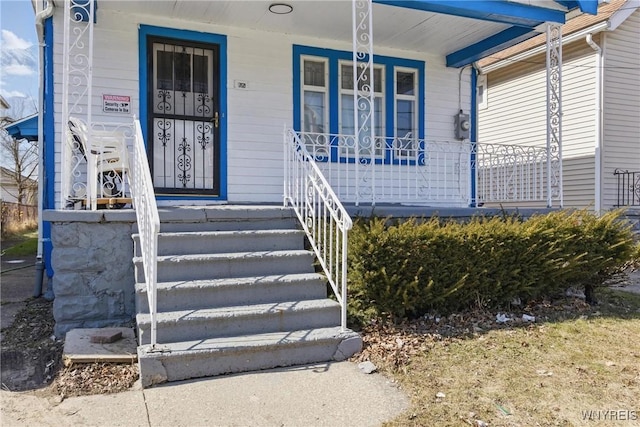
pixel 410 268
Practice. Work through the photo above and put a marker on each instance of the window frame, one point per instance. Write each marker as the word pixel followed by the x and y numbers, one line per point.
pixel 317 89
pixel 397 97
pixel 388 64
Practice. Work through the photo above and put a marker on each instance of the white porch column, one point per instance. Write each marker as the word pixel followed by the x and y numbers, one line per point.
pixel 554 114
pixel 77 85
pixel 363 100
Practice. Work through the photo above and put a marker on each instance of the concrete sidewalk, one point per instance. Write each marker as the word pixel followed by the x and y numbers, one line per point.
pixel 335 394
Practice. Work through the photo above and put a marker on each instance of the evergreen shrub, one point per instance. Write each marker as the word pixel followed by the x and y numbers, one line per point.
pixel 410 268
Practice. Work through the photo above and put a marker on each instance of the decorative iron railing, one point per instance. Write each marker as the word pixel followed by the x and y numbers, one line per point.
pixel 435 173
pixel 144 201
pixel 628 188
pixel 319 210
pixel 96 169
pixel 510 173
pixel 393 170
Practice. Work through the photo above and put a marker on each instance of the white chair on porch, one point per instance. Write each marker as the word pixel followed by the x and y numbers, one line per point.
pixel 107 163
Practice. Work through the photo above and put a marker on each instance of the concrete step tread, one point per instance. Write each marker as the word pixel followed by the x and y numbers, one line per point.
pixel 235 212
pixel 227 233
pixel 230 256
pixel 238 281
pixel 243 342
pixel 256 310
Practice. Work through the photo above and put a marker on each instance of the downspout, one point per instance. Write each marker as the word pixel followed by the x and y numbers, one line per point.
pixel 39 21
pixel 599 136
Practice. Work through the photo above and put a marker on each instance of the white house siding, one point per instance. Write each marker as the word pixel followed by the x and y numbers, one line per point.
pixel 256 115
pixel 516 114
pixel 621 145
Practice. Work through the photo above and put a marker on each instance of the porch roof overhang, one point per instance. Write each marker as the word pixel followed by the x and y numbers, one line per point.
pixel 460 31
pixel 26 128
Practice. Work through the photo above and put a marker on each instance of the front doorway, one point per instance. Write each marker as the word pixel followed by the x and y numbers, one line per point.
pixel 184 115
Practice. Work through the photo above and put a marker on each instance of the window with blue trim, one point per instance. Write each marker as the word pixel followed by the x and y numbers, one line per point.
pixel 324 108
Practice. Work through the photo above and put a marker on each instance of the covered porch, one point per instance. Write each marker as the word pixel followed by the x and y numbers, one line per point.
pixel 398 138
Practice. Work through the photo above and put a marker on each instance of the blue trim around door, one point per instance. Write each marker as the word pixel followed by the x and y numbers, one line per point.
pixel 194 36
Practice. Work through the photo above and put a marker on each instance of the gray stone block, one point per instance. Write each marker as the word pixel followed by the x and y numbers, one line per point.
pixel 348 347
pixel 66 283
pixel 78 307
pixel 67 236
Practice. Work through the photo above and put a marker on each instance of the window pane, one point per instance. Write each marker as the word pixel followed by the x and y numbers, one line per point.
pixel 346 115
pixel 378 117
pixel 404 118
pixel 182 67
pixel 405 83
pixel 314 73
pixel 200 74
pixel 377 79
pixel 347 77
pixel 164 69
pixel 314 111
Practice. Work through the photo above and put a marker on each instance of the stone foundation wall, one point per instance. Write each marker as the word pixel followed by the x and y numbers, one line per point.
pixel 93 280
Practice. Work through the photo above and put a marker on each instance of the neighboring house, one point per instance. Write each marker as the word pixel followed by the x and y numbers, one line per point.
pixel 9 189
pixel 215 111
pixel 25 128
pixel 4 105
pixel 601 108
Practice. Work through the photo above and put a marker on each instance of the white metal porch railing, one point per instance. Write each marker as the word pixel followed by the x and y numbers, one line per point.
pixel 434 173
pixel 510 173
pixel 144 201
pixel 394 170
pixel 322 215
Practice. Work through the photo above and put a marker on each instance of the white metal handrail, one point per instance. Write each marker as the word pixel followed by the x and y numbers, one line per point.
pixel 322 215
pixel 144 201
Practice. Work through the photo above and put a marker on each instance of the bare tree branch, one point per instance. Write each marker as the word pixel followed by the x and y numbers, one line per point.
pixel 20 158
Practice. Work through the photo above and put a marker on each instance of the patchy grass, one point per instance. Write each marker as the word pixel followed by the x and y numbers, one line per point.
pixel 575 361
pixel 21 244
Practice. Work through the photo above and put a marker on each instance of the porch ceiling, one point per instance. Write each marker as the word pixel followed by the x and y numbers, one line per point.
pixel 463 31
pixel 394 27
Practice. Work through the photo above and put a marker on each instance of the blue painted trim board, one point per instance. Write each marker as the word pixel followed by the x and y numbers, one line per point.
pixel 195 36
pixel 48 139
pixel 487 10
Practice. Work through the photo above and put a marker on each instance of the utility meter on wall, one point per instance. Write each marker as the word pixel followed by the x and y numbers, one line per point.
pixel 462 125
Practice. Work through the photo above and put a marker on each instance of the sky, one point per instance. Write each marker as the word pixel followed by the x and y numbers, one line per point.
pixel 18 55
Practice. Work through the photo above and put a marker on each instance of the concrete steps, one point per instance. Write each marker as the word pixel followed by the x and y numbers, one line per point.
pixel 193 294
pixel 237 292
pixel 229 321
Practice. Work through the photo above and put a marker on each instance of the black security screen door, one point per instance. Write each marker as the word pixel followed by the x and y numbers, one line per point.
pixel 184 117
